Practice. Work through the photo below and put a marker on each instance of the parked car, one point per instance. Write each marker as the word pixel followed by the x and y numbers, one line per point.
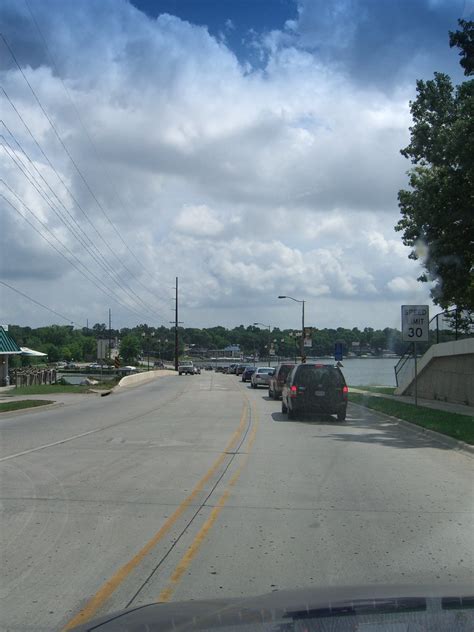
pixel 209 367
pixel 61 365
pixel 221 369
pixel 95 366
pixel 232 367
pixel 186 368
pixel 158 364
pixel 261 377
pixel 197 370
pixel 275 387
pixel 315 388
pixel 247 374
pixel 240 369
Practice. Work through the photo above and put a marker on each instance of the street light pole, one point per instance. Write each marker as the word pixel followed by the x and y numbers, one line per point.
pixel 176 340
pixel 302 324
pixel 269 327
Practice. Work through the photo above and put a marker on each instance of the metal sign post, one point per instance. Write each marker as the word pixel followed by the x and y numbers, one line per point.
pixel 416 374
pixel 415 328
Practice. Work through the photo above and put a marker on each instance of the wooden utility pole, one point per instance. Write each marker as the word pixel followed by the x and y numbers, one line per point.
pixel 109 354
pixel 176 340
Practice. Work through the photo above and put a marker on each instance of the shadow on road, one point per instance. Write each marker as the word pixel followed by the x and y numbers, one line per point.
pixel 307 419
pixel 368 427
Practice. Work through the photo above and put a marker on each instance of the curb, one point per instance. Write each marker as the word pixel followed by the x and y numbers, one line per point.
pixel 458 445
pixel 32 409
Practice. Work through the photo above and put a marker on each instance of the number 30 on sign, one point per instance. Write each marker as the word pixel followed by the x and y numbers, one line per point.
pixel 415 323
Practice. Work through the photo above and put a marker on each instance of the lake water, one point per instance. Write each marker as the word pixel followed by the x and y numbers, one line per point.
pixel 366 371
pixel 357 371
pixel 375 371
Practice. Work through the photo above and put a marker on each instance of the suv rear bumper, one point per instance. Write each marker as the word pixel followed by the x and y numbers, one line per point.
pixel 317 407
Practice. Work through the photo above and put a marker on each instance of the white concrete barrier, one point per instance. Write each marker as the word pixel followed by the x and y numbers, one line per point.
pixel 141 378
pixel 445 372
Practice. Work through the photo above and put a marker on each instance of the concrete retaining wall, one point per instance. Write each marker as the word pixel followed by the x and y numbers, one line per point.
pixel 446 373
pixel 141 378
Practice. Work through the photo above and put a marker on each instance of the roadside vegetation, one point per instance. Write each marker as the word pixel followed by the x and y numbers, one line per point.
pixel 47 389
pixel 27 403
pixel 80 345
pixel 51 389
pixel 459 427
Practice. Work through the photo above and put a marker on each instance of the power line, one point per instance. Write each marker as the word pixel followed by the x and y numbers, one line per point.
pixel 93 145
pixel 53 311
pixel 60 179
pixel 115 278
pixel 81 236
pixel 105 263
pixel 66 150
pixel 97 284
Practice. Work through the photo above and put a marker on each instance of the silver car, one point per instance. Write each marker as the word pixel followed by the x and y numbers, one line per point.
pixel 261 377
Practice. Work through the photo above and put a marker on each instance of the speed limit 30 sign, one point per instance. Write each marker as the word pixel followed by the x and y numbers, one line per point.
pixel 415 323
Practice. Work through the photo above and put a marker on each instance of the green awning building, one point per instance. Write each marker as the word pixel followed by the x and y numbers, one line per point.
pixel 8 347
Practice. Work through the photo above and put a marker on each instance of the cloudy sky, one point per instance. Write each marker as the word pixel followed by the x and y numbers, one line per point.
pixel 249 147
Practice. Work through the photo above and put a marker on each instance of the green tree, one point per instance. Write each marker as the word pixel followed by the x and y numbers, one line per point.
pixel 437 211
pixel 66 353
pixel 89 348
pixel 130 348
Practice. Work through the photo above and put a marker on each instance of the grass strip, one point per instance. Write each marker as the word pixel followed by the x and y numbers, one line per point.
pixel 47 389
pixel 459 427
pixel 26 403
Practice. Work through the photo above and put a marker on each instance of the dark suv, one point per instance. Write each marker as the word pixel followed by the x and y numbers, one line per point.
pixel 275 387
pixel 315 388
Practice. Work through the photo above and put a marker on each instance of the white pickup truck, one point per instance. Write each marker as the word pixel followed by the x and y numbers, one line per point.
pixel 186 368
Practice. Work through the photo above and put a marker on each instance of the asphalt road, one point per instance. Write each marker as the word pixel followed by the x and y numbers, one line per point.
pixel 198 487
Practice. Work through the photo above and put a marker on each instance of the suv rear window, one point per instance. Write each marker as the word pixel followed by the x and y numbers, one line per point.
pixel 284 370
pixel 310 374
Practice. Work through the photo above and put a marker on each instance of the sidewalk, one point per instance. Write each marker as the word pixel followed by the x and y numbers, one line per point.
pixel 460 409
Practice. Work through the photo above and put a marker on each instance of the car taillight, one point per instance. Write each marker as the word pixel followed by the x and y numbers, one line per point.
pixel 345 390
pixel 293 391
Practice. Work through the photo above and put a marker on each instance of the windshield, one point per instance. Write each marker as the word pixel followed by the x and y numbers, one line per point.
pixel 236 309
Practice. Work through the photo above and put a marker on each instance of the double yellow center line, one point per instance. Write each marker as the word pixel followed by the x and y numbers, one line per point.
pixel 194 547
pixel 110 586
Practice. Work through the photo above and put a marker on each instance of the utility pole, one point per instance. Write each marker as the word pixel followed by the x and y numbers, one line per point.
pixel 302 334
pixel 110 334
pixel 176 340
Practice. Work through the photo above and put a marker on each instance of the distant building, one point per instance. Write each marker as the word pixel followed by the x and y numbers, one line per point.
pixel 231 351
pixel 107 349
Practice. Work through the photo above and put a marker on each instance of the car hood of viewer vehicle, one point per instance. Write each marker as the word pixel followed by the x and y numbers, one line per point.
pixel 432 607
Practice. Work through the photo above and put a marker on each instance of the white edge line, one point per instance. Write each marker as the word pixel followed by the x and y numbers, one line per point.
pixel 50 445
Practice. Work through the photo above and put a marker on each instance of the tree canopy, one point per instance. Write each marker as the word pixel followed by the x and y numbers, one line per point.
pixel 438 209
